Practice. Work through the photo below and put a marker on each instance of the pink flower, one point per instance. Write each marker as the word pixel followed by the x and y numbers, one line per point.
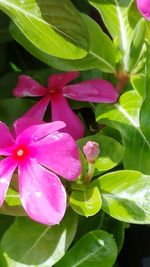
pixel 144 8
pixel 41 153
pixel 93 91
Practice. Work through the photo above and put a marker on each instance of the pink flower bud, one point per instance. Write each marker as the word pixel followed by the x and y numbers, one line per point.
pixel 91 151
pixel 144 8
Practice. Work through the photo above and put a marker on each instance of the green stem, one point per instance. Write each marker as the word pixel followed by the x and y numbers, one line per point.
pixel 90 173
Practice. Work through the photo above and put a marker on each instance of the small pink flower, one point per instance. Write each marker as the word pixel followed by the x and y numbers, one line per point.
pixel 95 90
pixel 91 151
pixel 144 8
pixel 41 153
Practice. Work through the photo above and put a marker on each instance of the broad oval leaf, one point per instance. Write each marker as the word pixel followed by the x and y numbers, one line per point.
pixel 111 151
pixel 37 245
pixel 86 202
pixel 126 196
pixel 101 53
pixel 124 116
pixel 97 248
pixel 54 27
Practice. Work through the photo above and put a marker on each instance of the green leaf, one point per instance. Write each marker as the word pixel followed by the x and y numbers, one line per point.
pixel 124 116
pixel 12 198
pixel 111 151
pixel 86 202
pixel 29 243
pixel 126 196
pixel 133 14
pixel 63 35
pixel 101 54
pixel 145 110
pixel 136 45
pixel 138 82
pixel 97 248
pixel 114 14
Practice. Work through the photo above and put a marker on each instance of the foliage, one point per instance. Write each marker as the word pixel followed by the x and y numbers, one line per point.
pixel 105 41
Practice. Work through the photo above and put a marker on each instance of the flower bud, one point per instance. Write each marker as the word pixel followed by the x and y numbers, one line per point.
pixel 144 8
pixel 91 151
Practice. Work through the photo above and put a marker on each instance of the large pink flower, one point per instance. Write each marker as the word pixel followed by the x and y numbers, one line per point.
pixel 144 8
pixel 40 152
pixel 95 90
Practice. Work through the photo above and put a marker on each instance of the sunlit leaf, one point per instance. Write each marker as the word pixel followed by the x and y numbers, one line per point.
pixel 55 28
pixel 101 52
pixel 126 196
pixel 86 202
pixel 124 116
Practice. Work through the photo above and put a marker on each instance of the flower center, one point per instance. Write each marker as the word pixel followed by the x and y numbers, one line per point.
pixel 21 152
pixel 53 91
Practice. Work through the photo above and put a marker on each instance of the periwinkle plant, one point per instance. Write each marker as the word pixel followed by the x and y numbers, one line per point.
pixel 74 165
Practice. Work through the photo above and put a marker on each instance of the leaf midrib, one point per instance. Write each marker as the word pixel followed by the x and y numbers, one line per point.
pixel 27 13
pixel 88 255
pixel 129 118
pixel 35 243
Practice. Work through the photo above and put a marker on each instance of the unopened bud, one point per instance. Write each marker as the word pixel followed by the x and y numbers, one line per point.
pixel 91 151
pixel 144 8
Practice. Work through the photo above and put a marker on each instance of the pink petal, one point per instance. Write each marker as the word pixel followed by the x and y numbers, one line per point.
pixel 38 110
pixel 6 138
pixel 26 86
pixel 59 153
pixel 7 168
pixel 93 91
pixel 23 123
pixel 61 79
pixel 37 132
pixel 42 194
pixel 144 8
pixel 62 111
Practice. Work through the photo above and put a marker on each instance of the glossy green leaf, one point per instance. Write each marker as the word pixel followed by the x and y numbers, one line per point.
pixel 37 245
pixel 138 82
pixel 55 28
pixel 114 14
pixel 97 248
pixel 126 196
pixel 86 202
pixel 111 151
pixel 136 45
pixel 124 116
pixel 101 52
